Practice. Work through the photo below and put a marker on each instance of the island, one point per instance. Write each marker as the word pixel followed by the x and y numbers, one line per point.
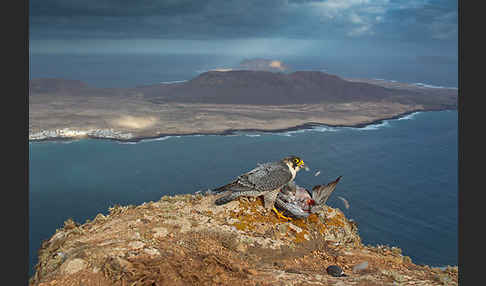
pixel 222 102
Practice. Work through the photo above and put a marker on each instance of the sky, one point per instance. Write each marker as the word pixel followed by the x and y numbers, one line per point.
pixel 420 28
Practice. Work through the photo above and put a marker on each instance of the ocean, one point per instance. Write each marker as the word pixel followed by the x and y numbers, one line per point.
pixel 399 177
pixel 130 70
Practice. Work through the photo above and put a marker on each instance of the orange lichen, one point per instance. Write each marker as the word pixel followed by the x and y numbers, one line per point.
pixel 248 215
pixel 240 226
pixel 313 218
pixel 337 220
pixel 301 236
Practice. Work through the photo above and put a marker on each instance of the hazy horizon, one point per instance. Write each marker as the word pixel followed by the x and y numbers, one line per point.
pixel 341 36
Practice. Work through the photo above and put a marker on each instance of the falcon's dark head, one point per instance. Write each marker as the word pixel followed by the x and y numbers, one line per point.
pixel 295 162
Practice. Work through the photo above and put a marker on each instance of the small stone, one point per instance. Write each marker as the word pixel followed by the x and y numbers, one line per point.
pixel 335 271
pixel 136 244
pixel 152 251
pixel 160 232
pixel 282 228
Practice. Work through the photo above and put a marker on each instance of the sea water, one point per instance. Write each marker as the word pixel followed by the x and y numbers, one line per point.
pixel 399 177
pixel 130 70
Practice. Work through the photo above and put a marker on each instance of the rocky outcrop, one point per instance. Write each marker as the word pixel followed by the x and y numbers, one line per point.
pixel 187 240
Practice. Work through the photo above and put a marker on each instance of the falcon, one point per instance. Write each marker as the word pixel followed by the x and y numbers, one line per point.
pixel 265 180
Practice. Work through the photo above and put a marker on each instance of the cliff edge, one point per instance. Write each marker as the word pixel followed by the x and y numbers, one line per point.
pixel 187 240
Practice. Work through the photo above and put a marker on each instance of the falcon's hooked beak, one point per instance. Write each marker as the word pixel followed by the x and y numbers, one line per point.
pixel 302 165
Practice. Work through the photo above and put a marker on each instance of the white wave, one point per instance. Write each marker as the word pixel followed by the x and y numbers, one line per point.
pixel 325 129
pixel 174 81
pixel 282 134
pixel 409 116
pixel 252 135
pixel 163 138
pixel 373 126
pixel 298 131
pixel 155 139
pixel 419 84
pixel 312 129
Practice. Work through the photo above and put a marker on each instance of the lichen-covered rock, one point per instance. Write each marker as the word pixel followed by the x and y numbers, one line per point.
pixel 187 240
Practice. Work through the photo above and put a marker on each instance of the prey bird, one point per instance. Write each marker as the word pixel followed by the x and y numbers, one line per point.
pixel 297 202
pixel 265 180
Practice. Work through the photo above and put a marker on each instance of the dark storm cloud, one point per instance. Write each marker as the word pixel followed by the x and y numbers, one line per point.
pixel 120 8
pixel 157 19
pixel 370 21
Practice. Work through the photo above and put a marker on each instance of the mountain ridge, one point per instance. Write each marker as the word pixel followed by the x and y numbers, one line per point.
pixel 255 88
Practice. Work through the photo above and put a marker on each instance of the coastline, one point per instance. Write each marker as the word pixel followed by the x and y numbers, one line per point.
pixel 227 132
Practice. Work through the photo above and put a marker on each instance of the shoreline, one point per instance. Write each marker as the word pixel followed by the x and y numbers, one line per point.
pixel 227 132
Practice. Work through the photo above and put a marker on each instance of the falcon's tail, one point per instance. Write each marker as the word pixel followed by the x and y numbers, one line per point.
pixel 234 191
pixel 222 188
pixel 226 199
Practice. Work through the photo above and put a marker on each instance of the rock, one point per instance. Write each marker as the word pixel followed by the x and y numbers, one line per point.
pixel 283 228
pixel 335 271
pixel 136 244
pixel 160 232
pixel 72 266
pixel 151 251
pixel 208 243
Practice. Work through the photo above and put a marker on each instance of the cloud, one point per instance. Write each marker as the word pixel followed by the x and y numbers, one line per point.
pixel 222 20
pixel 277 65
pixel 361 30
pixel 356 17
pixel 444 26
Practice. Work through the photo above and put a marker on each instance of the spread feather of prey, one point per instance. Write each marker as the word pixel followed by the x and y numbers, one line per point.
pixel 297 202
pixel 265 180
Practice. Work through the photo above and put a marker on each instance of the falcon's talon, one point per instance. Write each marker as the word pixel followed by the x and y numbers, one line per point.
pixel 280 215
